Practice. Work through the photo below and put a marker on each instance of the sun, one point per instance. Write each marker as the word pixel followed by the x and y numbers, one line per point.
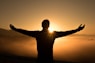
pixel 53 27
pixel 51 30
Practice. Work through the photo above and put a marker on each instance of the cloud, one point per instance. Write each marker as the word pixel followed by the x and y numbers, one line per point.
pixel 76 48
pixel 15 43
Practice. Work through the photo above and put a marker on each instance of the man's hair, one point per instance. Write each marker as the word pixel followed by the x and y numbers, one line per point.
pixel 45 23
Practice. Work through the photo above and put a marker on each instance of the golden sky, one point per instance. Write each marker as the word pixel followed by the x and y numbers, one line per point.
pixel 63 14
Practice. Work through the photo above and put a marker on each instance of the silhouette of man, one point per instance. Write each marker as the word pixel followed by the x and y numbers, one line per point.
pixel 45 40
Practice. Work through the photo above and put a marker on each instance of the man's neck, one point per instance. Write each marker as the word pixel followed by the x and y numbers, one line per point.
pixel 45 29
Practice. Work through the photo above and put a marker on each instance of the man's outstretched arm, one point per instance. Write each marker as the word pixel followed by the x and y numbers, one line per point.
pixel 30 33
pixel 60 34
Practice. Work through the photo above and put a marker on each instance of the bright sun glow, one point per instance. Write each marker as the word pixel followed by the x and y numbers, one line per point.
pixel 50 30
pixel 53 27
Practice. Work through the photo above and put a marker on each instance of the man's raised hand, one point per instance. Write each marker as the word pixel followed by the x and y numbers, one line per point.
pixel 81 27
pixel 12 27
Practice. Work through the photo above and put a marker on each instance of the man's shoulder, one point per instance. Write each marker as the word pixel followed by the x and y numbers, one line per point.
pixel 58 31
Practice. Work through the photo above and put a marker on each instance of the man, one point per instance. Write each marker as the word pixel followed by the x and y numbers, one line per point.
pixel 45 40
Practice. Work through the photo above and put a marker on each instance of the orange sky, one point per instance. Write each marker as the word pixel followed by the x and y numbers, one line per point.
pixel 63 14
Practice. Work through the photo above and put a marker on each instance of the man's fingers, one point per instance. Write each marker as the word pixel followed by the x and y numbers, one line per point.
pixel 80 25
pixel 84 25
pixel 11 25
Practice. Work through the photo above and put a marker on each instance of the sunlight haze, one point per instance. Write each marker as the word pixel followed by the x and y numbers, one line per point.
pixel 65 14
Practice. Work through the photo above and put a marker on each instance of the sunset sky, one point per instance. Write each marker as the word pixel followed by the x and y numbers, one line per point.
pixel 63 14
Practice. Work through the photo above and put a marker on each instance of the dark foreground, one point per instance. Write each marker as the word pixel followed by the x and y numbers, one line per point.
pixel 9 58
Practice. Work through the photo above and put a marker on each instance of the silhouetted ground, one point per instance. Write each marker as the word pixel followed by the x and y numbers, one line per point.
pixel 9 58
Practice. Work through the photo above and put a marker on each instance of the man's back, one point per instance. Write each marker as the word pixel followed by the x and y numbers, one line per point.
pixel 45 41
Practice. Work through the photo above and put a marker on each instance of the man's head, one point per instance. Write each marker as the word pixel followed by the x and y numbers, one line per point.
pixel 45 24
